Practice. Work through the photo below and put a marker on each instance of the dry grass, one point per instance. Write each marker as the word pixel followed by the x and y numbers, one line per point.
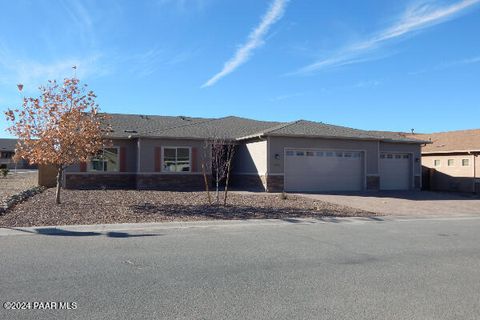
pixel 17 182
pixel 130 206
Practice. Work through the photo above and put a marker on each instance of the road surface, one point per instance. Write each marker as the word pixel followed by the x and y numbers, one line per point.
pixel 415 269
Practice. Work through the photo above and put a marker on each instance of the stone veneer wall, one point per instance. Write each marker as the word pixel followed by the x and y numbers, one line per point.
pixel 275 183
pixel 418 182
pixel 172 182
pixel 100 181
pixel 373 182
pixel 180 182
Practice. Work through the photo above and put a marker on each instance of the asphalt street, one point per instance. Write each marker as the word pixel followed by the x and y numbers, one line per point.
pixel 413 269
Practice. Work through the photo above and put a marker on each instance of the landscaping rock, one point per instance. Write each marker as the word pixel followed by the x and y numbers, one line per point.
pixel 132 206
pixel 19 197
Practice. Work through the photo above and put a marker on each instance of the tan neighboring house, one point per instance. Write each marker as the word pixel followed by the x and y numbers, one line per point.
pixel 452 161
pixel 7 151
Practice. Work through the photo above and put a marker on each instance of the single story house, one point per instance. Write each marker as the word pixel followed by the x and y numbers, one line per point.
pixel 160 152
pixel 451 161
pixel 7 151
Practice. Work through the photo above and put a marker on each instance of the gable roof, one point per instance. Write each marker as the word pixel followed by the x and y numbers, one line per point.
pixel 235 128
pixel 8 144
pixel 451 141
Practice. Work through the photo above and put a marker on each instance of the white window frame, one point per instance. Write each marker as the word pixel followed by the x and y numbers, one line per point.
pixel 450 165
pixel 89 164
pixel 176 147
pixel 468 162
pixel 439 163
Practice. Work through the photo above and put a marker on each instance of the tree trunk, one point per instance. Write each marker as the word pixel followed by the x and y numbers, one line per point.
pixel 226 183
pixel 206 184
pixel 217 182
pixel 59 184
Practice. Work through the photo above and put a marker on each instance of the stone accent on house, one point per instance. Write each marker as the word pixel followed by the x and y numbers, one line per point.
pixel 417 182
pixel 275 183
pixel 189 182
pixel 373 182
pixel 171 182
pixel 249 182
pixel 100 181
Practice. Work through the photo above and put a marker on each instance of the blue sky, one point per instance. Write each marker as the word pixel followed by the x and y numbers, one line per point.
pixel 372 64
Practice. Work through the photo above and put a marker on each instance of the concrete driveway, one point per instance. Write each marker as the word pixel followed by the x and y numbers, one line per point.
pixel 419 203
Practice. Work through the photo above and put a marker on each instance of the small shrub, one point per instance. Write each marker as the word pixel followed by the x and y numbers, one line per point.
pixel 4 172
pixel 283 196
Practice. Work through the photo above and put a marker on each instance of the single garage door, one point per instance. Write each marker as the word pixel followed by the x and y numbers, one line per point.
pixel 323 170
pixel 395 171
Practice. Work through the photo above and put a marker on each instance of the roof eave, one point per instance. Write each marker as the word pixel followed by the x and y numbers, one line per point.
pixel 411 141
pixel 450 151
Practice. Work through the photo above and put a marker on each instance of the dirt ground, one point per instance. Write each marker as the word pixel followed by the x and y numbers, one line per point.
pixel 17 182
pixel 130 206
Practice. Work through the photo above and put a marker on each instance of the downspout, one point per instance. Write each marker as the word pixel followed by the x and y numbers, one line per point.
pixel 138 163
pixel 138 155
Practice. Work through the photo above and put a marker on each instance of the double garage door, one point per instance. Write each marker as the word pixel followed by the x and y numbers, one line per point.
pixel 311 170
pixel 323 170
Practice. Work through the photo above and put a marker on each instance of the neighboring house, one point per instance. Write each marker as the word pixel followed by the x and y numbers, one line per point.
pixel 158 152
pixel 452 161
pixel 7 151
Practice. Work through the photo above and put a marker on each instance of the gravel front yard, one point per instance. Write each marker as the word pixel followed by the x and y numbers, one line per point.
pixel 129 206
pixel 17 182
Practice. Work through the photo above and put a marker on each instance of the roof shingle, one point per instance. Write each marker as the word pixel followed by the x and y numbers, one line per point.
pixel 8 144
pixel 124 126
pixel 462 140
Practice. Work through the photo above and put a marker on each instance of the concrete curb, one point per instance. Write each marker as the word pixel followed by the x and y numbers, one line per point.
pixel 175 225
pixel 155 226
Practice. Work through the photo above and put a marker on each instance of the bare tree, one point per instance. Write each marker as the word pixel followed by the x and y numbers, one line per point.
pixel 221 152
pixel 206 164
pixel 229 153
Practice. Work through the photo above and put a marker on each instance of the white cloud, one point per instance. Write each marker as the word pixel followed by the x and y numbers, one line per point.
pixel 367 84
pixel 464 61
pixel 33 73
pixel 185 5
pixel 255 40
pixel 81 19
pixel 146 63
pixel 447 65
pixel 417 17
pixel 287 96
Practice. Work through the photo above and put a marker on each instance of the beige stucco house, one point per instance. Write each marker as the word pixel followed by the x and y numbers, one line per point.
pixel 7 151
pixel 158 152
pixel 452 161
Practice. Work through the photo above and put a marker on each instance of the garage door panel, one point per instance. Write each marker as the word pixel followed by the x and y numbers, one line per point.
pixel 395 171
pixel 331 170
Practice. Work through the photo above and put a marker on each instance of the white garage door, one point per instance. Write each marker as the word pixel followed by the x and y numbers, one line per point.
pixel 395 171
pixel 323 170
